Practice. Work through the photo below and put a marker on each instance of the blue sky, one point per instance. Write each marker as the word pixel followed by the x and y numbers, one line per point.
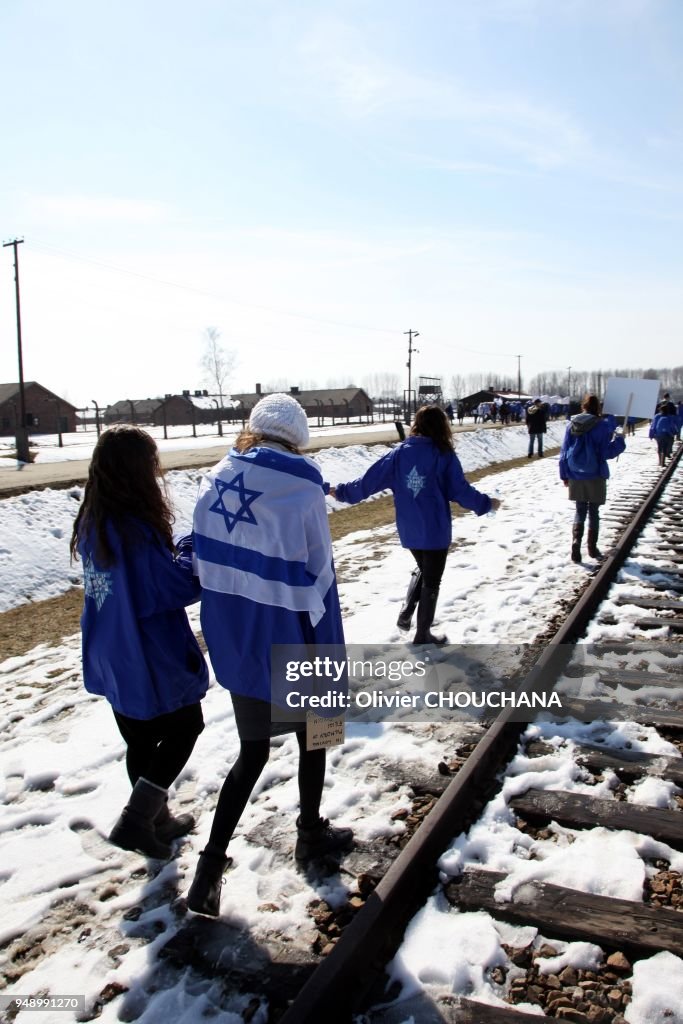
pixel 313 179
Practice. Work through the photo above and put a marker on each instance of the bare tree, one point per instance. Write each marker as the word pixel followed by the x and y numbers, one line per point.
pixel 217 363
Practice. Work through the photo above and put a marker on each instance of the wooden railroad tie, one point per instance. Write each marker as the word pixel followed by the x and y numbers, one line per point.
pixel 593 710
pixel 576 810
pixel 569 914
pixel 628 764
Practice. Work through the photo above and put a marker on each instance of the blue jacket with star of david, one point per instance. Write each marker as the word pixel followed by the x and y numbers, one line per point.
pixel 423 480
pixel 139 650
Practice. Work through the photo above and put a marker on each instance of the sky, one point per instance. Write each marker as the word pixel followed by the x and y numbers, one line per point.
pixel 314 180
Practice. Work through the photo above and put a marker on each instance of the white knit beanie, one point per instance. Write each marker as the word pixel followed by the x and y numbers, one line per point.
pixel 280 416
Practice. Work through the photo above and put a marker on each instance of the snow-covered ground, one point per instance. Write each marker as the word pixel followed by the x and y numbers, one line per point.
pixel 82 917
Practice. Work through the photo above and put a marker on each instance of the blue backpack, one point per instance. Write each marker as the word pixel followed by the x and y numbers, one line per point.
pixel 582 458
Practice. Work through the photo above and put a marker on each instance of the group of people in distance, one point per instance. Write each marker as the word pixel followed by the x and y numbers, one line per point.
pixel 260 561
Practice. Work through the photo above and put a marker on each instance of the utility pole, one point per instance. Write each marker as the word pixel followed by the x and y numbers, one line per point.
pixel 411 334
pixel 22 433
pixel 519 376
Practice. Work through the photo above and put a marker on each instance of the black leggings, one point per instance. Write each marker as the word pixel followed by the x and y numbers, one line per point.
pixel 244 775
pixel 157 749
pixel 431 564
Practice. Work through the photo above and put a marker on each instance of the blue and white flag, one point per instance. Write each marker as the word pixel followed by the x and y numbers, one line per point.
pixel 261 531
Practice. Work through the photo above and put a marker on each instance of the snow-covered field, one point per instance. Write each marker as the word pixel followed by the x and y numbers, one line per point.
pixel 82 917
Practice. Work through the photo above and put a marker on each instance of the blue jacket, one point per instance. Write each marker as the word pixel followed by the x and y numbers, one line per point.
pixel 599 433
pixel 139 650
pixel 263 553
pixel 664 425
pixel 424 481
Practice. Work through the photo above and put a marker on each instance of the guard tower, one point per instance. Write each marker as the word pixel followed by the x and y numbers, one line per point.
pixel 429 391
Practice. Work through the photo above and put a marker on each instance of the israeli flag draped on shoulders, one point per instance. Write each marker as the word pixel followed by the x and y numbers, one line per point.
pixel 261 531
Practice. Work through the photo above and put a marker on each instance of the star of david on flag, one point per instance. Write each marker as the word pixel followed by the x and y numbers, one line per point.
pixel 415 482
pixel 243 514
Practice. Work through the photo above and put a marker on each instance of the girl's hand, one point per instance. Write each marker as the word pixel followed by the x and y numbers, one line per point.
pixel 495 504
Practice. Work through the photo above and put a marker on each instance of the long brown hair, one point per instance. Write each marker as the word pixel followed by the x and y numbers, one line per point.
pixel 431 421
pixel 123 486
pixel 248 439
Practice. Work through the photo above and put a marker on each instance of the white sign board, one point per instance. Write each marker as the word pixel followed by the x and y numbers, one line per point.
pixel 322 733
pixel 630 396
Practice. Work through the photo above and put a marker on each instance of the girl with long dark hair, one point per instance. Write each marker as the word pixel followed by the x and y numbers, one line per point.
pixel 139 650
pixel 425 475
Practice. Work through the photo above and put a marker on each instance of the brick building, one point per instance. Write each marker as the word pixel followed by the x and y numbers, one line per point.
pixel 46 412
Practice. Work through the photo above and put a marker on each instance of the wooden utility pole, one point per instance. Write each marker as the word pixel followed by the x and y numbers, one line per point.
pixel 411 334
pixel 22 432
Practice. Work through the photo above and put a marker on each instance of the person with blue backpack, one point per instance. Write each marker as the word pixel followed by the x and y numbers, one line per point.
pixel 663 429
pixel 588 444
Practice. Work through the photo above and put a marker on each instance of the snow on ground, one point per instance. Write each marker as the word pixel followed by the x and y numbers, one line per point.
pixel 91 915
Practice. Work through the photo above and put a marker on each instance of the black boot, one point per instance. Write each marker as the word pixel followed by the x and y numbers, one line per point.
pixel 320 839
pixel 204 896
pixel 135 828
pixel 169 826
pixel 577 537
pixel 405 617
pixel 593 549
pixel 425 616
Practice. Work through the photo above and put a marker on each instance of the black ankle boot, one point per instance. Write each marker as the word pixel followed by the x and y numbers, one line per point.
pixel 425 616
pixel 135 828
pixel 204 896
pixel 593 549
pixel 405 617
pixel 320 839
pixel 577 537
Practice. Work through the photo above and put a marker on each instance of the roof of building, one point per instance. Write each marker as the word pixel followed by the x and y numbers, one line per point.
pixel 308 396
pixel 9 391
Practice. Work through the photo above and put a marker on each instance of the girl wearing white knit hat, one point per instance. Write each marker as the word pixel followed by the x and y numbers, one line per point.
pixel 264 557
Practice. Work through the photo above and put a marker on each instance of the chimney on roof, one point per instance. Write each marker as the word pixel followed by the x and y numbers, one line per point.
pixel 186 394
pixel 294 390
pixel 258 389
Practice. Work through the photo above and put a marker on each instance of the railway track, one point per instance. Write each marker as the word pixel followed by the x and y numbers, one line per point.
pixel 634 606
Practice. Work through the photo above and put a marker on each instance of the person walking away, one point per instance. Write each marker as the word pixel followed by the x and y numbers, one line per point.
pixel 587 445
pixel 663 430
pixel 424 474
pixel 536 421
pixel 461 412
pixel 264 556
pixel 138 648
